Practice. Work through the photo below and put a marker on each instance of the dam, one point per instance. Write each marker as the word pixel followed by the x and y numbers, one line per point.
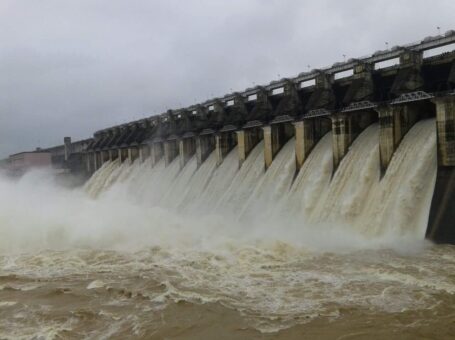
pixel 287 120
pixel 342 143
pixel 313 207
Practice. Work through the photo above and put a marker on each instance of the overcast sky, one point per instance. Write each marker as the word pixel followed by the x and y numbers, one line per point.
pixel 71 67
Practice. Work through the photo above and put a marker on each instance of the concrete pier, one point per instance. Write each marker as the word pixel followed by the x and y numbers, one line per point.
pixel 307 133
pixel 224 143
pixel 247 139
pixel 445 120
pixel 144 152
pixel 342 137
pixel 133 154
pixel 96 160
pixel 104 156
pixel 123 154
pixel 113 154
pixel 394 122
pixel 156 152
pixel 171 151
pixel 187 149
pixel 67 148
pixel 442 213
pixel 275 136
pixel 345 129
pixel 89 158
pixel 205 144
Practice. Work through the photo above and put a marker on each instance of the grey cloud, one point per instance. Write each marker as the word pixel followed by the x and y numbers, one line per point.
pixel 72 67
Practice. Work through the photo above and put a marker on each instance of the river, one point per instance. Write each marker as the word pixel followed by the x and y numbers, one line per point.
pixel 222 252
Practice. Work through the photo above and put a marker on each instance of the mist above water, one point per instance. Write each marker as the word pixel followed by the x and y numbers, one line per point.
pixel 127 206
pixel 353 209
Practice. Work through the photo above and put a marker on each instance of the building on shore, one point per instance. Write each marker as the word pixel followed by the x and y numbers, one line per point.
pixel 19 163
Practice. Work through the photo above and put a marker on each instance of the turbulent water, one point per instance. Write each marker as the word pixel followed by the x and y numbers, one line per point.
pixel 222 252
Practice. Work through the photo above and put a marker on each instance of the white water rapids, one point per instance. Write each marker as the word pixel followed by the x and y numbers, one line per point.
pixel 280 248
pixel 355 201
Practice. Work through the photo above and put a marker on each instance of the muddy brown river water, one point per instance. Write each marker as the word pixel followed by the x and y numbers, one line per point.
pixel 218 252
pixel 271 291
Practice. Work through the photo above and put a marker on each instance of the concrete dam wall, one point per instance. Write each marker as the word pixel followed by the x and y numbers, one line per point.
pixel 356 143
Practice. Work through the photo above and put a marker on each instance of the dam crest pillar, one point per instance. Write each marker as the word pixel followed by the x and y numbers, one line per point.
pixel 104 156
pixel 225 141
pixel 123 154
pixel 111 154
pixel 346 126
pixel 133 154
pixel 89 162
pixel 442 212
pixel 144 152
pixel 394 122
pixel 96 160
pixel 307 133
pixel 171 151
pixel 445 120
pixel 247 139
pixel 156 152
pixel 275 136
pixel 205 144
pixel 342 137
pixel 187 149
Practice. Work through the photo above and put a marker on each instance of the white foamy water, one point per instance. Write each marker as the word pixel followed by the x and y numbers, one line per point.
pixel 355 199
pixel 279 247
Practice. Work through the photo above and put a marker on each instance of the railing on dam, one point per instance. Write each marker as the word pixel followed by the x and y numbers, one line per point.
pixel 324 92
pixel 349 103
